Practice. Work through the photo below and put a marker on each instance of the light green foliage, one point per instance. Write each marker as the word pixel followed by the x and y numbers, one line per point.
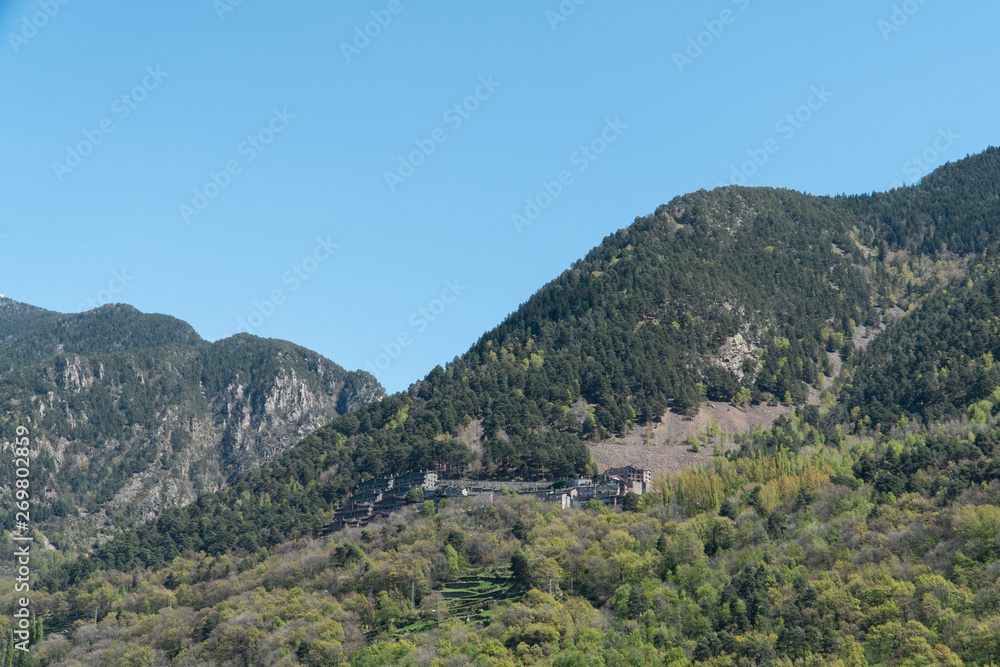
pixel 619 602
pixel 704 587
pixel 719 449
pixel 741 398
pixel 451 559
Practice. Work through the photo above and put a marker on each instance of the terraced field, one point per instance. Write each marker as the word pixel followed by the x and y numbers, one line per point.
pixel 470 596
pixel 468 599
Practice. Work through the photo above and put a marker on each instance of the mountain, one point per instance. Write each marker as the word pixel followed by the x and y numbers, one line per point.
pixel 30 335
pixel 17 318
pixel 741 295
pixel 134 413
pixel 859 528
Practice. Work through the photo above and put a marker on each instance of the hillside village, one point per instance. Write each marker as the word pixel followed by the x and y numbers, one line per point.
pixel 378 498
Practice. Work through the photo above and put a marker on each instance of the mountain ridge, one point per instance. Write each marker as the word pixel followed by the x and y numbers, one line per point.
pixel 134 413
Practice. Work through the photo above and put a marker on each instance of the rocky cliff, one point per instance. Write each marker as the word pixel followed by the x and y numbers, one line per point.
pixel 130 414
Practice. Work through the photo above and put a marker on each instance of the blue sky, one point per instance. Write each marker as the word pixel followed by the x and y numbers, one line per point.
pixel 227 163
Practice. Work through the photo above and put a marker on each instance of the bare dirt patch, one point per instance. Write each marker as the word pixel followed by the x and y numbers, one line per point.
pixel 472 435
pixel 664 447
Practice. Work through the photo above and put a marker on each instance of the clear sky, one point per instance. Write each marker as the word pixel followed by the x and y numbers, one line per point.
pixel 225 161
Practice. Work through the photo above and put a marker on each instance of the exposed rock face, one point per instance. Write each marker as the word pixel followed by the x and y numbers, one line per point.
pixel 735 352
pixel 118 438
pixel 186 443
pixel 293 407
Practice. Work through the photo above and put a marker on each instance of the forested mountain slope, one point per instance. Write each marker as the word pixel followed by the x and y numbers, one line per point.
pixel 936 362
pixel 739 295
pixel 134 413
pixel 17 317
pixel 639 325
pixel 30 335
pixel 762 559
pixel 954 209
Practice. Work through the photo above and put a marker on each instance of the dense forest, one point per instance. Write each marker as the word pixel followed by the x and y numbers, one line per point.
pixel 954 209
pixel 31 335
pixel 861 530
pixel 935 362
pixel 764 557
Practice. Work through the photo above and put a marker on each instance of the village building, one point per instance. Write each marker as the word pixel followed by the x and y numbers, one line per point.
pixel 378 498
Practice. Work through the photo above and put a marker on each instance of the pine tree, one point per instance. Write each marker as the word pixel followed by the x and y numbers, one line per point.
pixel 519 569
